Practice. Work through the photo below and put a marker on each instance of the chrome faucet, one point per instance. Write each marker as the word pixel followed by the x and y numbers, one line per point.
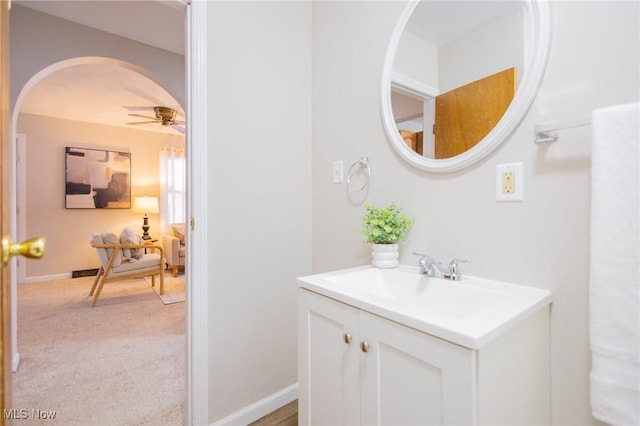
pixel 433 268
pixel 429 266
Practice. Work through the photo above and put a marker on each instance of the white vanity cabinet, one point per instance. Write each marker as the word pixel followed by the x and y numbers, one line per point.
pixel 359 368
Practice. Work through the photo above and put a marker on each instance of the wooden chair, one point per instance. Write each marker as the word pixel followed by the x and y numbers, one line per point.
pixel 113 268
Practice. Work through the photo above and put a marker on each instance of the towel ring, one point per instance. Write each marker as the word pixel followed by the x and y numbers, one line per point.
pixel 362 163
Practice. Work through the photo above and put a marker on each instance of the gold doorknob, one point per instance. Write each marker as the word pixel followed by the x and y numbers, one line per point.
pixel 364 346
pixel 32 248
pixel 347 338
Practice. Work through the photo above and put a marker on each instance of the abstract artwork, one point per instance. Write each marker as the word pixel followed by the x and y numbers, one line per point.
pixel 97 179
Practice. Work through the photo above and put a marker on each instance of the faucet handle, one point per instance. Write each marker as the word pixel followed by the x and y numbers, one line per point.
pixel 454 262
pixel 454 272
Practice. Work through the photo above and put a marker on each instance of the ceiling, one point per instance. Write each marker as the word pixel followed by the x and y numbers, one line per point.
pixel 107 93
pixel 441 22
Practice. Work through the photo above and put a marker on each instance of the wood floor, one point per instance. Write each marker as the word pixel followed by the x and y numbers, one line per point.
pixel 284 416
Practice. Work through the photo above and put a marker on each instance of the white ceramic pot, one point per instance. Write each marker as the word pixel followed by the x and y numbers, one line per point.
pixel 385 255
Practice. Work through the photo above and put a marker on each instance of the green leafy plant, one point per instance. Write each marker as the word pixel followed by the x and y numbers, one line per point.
pixel 384 225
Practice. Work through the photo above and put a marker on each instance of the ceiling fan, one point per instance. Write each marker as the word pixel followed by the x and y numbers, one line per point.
pixel 164 115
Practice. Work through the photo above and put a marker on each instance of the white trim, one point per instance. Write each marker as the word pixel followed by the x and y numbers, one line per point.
pixel 537 32
pixel 18 205
pixel 197 242
pixel 412 87
pixel 261 408
pixel 21 199
pixel 41 278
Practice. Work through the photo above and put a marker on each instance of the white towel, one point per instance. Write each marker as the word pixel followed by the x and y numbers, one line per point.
pixel 614 293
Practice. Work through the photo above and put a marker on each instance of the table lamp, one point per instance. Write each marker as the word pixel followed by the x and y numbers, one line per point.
pixel 145 205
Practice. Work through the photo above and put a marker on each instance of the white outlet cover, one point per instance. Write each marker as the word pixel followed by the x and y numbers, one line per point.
pixel 516 168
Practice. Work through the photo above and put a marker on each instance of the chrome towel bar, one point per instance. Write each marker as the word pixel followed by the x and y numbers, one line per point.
pixel 549 132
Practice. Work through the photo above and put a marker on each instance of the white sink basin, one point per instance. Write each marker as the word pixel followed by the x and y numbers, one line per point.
pixel 470 312
pixel 408 288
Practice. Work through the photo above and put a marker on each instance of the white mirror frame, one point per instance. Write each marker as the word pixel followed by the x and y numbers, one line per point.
pixel 537 45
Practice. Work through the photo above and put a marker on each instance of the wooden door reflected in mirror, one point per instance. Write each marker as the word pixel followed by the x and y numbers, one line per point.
pixel 464 116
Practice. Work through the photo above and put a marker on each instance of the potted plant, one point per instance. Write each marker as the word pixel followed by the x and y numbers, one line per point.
pixel 383 228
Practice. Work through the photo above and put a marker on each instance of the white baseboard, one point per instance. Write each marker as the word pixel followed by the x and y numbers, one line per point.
pixel 45 278
pixel 261 408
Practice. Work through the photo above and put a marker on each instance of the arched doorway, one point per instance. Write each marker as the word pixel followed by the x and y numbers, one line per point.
pixel 132 78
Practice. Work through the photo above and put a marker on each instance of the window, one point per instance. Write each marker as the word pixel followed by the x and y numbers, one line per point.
pixel 172 186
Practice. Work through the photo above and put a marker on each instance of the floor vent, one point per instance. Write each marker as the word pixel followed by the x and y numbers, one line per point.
pixel 84 273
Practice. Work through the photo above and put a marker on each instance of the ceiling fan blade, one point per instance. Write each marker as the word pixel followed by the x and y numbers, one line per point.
pixel 178 128
pixel 137 108
pixel 143 122
pixel 143 116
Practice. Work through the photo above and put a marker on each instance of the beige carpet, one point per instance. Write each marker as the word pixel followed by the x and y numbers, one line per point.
pixel 173 288
pixel 119 363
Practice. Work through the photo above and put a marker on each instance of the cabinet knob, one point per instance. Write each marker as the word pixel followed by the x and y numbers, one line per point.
pixel 364 346
pixel 347 338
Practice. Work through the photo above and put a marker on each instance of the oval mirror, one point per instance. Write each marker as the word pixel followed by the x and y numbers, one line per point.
pixel 459 76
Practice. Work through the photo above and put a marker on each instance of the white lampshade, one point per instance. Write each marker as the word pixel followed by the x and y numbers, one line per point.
pixel 146 205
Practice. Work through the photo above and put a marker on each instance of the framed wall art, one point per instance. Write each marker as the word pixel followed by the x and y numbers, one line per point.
pixel 97 179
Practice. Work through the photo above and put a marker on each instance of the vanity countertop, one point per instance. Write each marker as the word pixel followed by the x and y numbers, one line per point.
pixel 471 312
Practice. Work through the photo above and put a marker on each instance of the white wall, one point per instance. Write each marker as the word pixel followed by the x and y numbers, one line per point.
pixel 422 67
pixel 542 241
pixel 259 100
pixel 487 50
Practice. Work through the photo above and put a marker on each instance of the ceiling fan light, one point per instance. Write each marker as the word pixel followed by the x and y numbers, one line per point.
pixel 164 113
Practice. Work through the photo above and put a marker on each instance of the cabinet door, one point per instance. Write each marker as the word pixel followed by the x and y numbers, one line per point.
pixel 327 362
pixel 411 378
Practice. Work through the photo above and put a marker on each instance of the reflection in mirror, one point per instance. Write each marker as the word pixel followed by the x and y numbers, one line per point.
pixel 454 73
pixel 460 75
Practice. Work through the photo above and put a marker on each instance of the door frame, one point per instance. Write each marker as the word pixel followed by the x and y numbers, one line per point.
pixel 197 211
pixel 18 156
pixel 6 384
pixel 197 339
